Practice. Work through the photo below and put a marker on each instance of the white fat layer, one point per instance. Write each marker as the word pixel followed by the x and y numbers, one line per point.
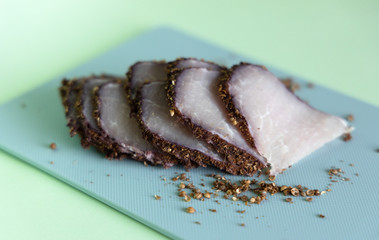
pixel 156 116
pixel 284 129
pixel 115 118
pixel 145 72
pixel 187 63
pixel 197 98
pixel 88 88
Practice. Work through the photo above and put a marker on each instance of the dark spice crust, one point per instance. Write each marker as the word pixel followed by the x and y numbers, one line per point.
pixel 243 162
pixel 116 151
pixel 187 155
pixel 233 112
pixel 66 91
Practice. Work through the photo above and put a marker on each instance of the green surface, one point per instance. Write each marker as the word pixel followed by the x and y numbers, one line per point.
pixel 334 44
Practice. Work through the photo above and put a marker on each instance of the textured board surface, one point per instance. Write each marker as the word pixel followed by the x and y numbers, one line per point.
pixel 34 120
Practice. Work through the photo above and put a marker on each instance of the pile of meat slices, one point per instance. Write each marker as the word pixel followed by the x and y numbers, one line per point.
pixel 196 113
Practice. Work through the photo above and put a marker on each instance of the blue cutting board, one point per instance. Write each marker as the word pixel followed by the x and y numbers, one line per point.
pixel 31 122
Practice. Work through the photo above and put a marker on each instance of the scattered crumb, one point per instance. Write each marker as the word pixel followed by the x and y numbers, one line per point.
pixel 207 195
pixel 242 224
pixel 309 199
pixel 53 146
pixel 310 85
pixel 241 211
pixel 108 175
pixel 190 210
pixel 175 179
pixel 182 194
pixel 351 164
pixel 321 216
pixel 197 222
pixel 290 84
pixel 157 197
pixel 213 210
pixel 272 178
pixel 347 137
pixel 145 163
pixel 289 200
pixel 350 118
pixel 51 162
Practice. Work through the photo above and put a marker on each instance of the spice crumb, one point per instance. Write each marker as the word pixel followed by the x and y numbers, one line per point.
pixel 242 224
pixel 241 211
pixel 53 146
pixel 207 195
pixel 347 137
pixel 182 193
pixel 197 222
pixel 213 210
pixel 350 118
pixel 289 200
pixel 190 210
pixel 321 216
pixel 157 197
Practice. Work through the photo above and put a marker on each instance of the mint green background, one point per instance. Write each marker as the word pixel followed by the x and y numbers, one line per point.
pixel 335 44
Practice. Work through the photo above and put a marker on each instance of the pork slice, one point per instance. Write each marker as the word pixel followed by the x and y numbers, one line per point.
pixel 193 96
pixel 166 132
pixel 119 131
pixel 144 72
pixel 91 133
pixel 279 125
pixel 182 63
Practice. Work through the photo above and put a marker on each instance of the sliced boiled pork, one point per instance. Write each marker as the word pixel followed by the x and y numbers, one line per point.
pixel 281 127
pixel 193 96
pixel 120 132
